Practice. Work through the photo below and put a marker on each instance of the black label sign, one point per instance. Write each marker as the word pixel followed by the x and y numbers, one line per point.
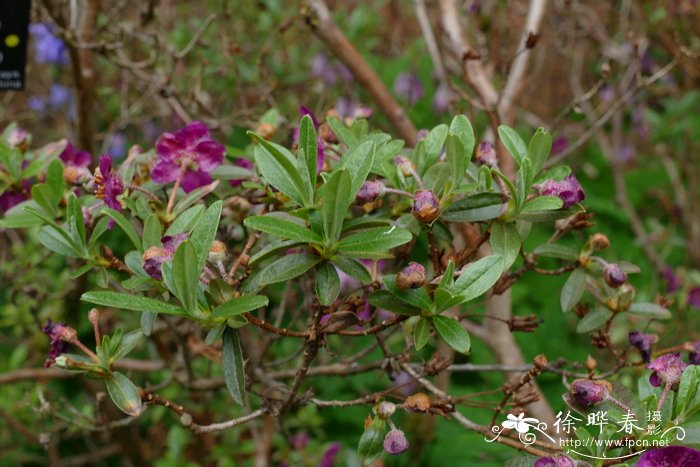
pixel 14 25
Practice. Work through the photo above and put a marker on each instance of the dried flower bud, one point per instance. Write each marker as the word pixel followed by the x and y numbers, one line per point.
pixel 217 252
pixel 395 442
pixel 418 402
pixel 614 275
pixel 411 277
pixel 540 361
pixel 369 191
pixel 643 342
pixel 586 392
pixel 667 369
pixel 524 323
pixel 385 409
pixel 18 138
pixel 266 130
pixel 75 175
pixel 426 207
pixel 406 166
pixel 486 154
pixel 599 242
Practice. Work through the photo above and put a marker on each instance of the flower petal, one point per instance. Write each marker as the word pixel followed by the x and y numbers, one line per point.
pixel 165 171
pixel 194 179
pixel 168 145
pixel 192 134
pixel 210 154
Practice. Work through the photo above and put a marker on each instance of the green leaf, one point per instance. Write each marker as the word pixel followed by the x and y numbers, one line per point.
pixel 415 297
pixel 344 135
pixel 186 275
pixel 543 203
pixel 421 333
pixel 593 320
pixel 272 249
pixel 687 389
pixel 539 149
pixel 286 268
pixel 434 142
pixel 132 302
pixel 352 268
pixel 151 232
pixel 46 198
pixel 278 166
pixel 215 334
pixel 232 365
pixel 384 300
pixel 474 208
pixel 239 305
pixel 308 143
pixel 56 242
pixel 54 179
pixel 327 284
pixel 513 143
pixel 335 203
pixel 457 158
pixel 204 233
pixel 523 182
pixel 573 289
pixel 554 250
pixel 505 241
pixel 461 128
pixel 453 333
pixel 147 322
pixel 75 215
pixel 548 216
pixel 368 243
pixel 124 394
pixel 282 228
pixel 478 277
pixel 192 197
pixel 127 344
pixel 650 310
pixel 358 163
pixel 126 226
pixel 371 443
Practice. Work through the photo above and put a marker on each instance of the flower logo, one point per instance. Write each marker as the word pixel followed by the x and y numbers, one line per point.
pixel 519 423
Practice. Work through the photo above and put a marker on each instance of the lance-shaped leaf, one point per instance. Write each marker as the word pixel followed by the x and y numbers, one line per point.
pixel 573 289
pixel 543 203
pixel 308 144
pixel 358 162
pixel 352 268
pixel 283 228
pixel 421 333
pixel 415 297
pixel 278 166
pixel 461 128
pixel 132 302
pixel 232 365
pixel 456 158
pixel 513 143
pixel 505 241
pixel 239 305
pixel 474 208
pixel 204 233
pixel 335 203
pixel 186 275
pixel 384 300
pixel 651 310
pixel 374 243
pixel 124 394
pixel 126 226
pixel 554 250
pixel 371 443
pixel 152 232
pixel 593 320
pixel 478 277
pixel 327 284
pixel 452 333
pixel 286 268
pixel 539 148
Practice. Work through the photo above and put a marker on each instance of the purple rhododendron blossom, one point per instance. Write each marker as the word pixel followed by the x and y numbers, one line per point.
pixel 71 156
pixel 58 346
pixel 328 459
pixel 329 72
pixel 109 185
pixel 559 145
pixel 48 48
pixel 243 163
pixel 668 369
pixel 569 190
pixel 189 153
pixel 408 86
pixel 643 342
pixel 670 456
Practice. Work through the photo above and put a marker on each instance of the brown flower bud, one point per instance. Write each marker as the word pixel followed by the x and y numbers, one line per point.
pixel 524 323
pixel 591 364
pixel 599 241
pixel 385 409
pixel 418 402
pixel 75 175
pixel 540 361
pixel 266 130
pixel 411 277
pixel 217 252
pixel 426 207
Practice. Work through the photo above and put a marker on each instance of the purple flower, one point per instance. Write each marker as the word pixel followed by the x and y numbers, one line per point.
pixel 327 71
pixel 643 342
pixel 109 185
pixel 57 332
pixel 349 109
pixel 694 297
pixel 395 442
pixel 117 146
pixel 559 461
pixel 189 153
pixel 569 190
pixel 614 275
pixel 411 277
pixel 72 157
pixel 328 459
pixel 48 48
pixel 559 145
pixel 320 144
pixel 695 354
pixel 408 87
pixel 667 369
pixel 441 99
pixel 670 456
pixel 154 257
pixel 243 163
pixel 586 392
pixel 426 207
pixel 673 282
pixel 37 104
pixel 59 96
pixel 486 154
pixel 10 199
pixel 299 441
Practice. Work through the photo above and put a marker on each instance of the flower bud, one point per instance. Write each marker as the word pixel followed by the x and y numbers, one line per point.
pixel 369 191
pixel 411 277
pixel 667 370
pixel 524 323
pixel 385 409
pixel 406 166
pixel 418 402
pixel 586 392
pixel 152 260
pixel 395 442
pixel 486 154
pixel 426 207
pixel 94 316
pixel 568 190
pixel 266 130
pixel 75 175
pixel 599 242
pixel 614 275
pixel 217 252
pixel 643 342
pixel 326 134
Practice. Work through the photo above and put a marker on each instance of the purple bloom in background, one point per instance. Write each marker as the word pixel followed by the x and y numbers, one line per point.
pixel 109 185
pixel 643 342
pixel 559 145
pixel 408 87
pixel 350 109
pixel 155 256
pixel 329 72
pixel 10 199
pixel 395 442
pixel 299 440
pixel 117 146
pixel 695 354
pixel 72 157
pixel 55 331
pixel 606 93
pixel 694 297
pixel 37 104
pixel 569 190
pixel 59 96
pixel 189 152
pixel 328 459
pixel 639 122
pixel 442 98
pixel 320 144
pixel 559 461
pixel 670 456
pixel 673 282
pixel 48 48
pixel 625 153
pixel 668 369
pixel 243 163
